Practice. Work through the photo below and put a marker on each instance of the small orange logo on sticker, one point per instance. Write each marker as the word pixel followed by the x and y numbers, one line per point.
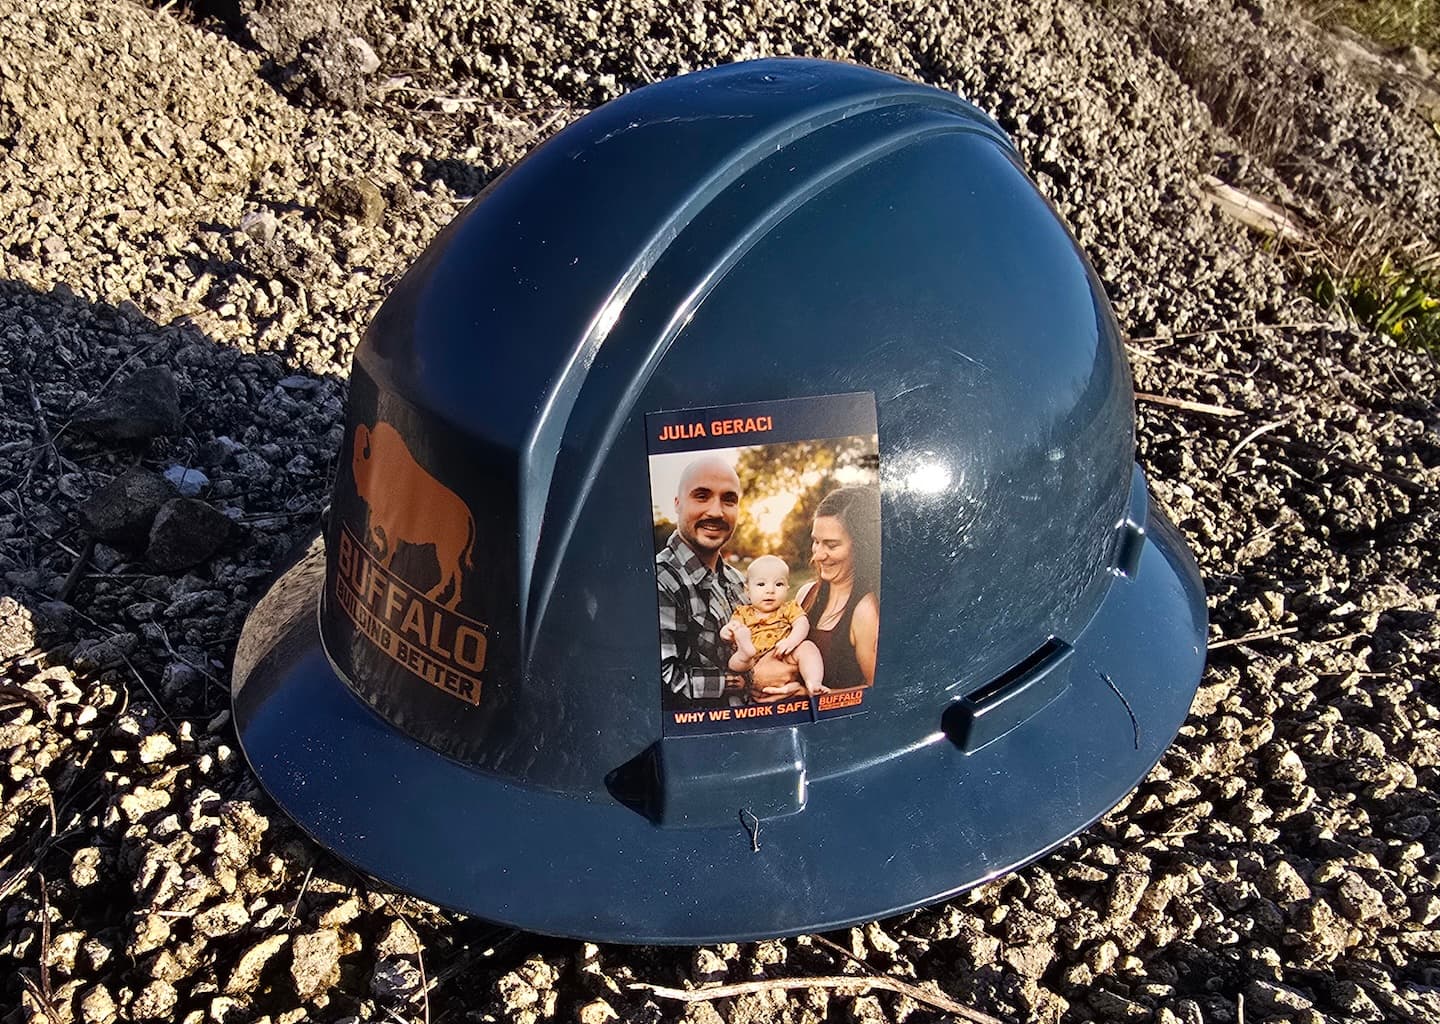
pixel 409 506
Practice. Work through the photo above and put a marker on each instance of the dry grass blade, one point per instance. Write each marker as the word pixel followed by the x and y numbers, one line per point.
pixel 295 907
pixel 931 999
pixel 159 705
pixel 1268 634
pixel 419 958
pixel 1257 432
pixel 1188 406
pixel 40 1000
pixel 842 951
pixel 77 571
pixel 420 962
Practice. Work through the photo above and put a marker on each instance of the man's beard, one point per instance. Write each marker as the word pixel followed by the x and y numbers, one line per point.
pixel 718 525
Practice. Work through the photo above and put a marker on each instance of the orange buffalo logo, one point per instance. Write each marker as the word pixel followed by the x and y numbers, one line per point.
pixel 409 506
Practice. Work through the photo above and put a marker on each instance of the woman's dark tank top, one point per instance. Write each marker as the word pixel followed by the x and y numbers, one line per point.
pixel 842 670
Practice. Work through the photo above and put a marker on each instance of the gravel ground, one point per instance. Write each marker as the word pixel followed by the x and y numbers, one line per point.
pixel 199 210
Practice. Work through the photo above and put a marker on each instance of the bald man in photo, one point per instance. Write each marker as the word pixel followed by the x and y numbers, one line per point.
pixel 698 590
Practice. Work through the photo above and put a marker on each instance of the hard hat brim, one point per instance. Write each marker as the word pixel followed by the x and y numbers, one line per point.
pixel 927 823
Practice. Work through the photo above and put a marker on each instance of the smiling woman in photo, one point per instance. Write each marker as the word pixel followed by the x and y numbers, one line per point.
pixel 843 602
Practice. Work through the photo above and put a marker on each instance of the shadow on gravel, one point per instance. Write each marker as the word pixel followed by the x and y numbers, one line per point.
pixel 462 178
pixel 150 477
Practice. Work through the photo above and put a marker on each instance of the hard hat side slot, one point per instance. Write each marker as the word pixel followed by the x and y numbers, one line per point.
pixel 1129 543
pixel 992 710
pixel 1130 531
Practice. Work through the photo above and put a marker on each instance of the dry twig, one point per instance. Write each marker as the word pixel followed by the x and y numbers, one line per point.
pixel 45 989
pixel 1187 405
pixel 294 907
pixel 836 947
pixel 1268 634
pixel 40 1000
pixel 1252 211
pixel 77 571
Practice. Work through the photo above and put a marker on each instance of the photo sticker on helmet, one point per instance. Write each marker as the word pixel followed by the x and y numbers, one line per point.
pixel 410 617
pixel 766 524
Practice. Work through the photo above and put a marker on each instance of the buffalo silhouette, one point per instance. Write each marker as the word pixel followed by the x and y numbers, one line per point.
pixel 409 506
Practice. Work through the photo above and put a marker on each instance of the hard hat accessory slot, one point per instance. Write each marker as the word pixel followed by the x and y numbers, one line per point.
pixel 987 713
pixel 1130 531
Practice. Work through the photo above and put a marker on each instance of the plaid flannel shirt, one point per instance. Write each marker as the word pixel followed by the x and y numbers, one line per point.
pixel 695 602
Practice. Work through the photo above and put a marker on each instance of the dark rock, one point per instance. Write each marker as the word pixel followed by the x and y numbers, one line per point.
pixel 143 405
pixel 1111 1006
pixel 357 198
pixel 400 197
pixel 102 653
pixel 396 979
pixel 188 481
pixel 318 58
pixel 333 66
pixel 186 532
pixel 123 509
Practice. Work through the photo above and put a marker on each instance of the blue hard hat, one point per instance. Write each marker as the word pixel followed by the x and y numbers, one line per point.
pixel 737 532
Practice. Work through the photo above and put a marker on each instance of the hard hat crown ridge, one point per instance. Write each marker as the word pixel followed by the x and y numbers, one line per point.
pixel 795 316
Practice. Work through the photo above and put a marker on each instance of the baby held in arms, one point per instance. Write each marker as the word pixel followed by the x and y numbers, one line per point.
pixel 772 622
